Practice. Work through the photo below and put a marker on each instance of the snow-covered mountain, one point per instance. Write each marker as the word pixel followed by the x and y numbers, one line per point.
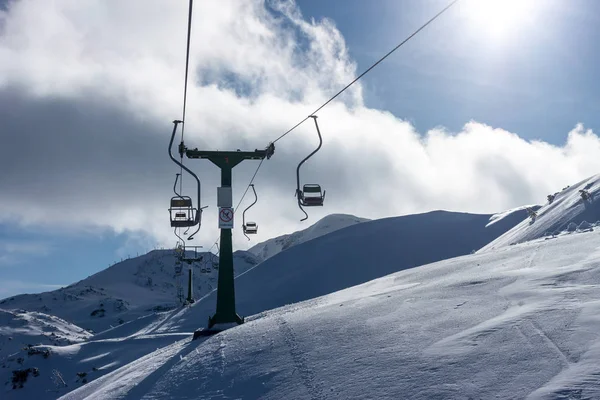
pixel 22 329
pixel 504 214
pixel 326 225
pixel 342 258
pixel 515 322
pixel 127 290
pixel 147 284
pixel 351 256
pixel 574 207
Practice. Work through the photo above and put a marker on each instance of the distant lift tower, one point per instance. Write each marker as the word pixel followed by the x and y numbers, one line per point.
pixel 225 315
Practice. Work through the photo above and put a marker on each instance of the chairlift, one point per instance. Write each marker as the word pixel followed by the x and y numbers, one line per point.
pixel 311 194
pixel 250 228
pixel 182 212
pixel 182 251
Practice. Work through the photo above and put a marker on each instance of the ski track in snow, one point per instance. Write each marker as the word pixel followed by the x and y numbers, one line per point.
pixel 310 381
pixel 129 379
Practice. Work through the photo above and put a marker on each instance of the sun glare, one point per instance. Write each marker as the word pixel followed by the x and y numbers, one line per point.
pixel 500 18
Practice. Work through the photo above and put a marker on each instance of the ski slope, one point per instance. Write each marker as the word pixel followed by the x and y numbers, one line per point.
pixel 349 314
pixel 283 279
pixel 567 208
pixel 328 224
pixel 515 322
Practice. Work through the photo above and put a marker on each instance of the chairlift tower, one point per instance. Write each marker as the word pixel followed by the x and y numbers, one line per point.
pixel 179 280
pixel 226 161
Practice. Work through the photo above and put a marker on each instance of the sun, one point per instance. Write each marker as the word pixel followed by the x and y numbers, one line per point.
pixel 500 19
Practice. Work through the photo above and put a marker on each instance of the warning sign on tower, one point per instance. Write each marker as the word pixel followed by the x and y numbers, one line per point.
pixel 225 218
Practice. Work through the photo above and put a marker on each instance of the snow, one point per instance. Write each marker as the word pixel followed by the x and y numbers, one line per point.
pixel 500 216
pixel 401 307
pixel 324 226
pixel 347 257
pixel 95 358
pixel 128 359
pixel 567 208
pixel 19 329
pixel 283 279
pixel 516 322
pixel 124 380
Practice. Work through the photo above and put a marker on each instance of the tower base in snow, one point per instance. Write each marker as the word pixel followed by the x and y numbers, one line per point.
pixel 213 330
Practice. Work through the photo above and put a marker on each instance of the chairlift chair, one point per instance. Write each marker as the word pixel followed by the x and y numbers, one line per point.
pixel 311 194
pixel 182 212
pixel 250 228
pixel 181 252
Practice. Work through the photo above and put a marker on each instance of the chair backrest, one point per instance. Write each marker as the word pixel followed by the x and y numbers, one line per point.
pixel 312 188
pixel 181 202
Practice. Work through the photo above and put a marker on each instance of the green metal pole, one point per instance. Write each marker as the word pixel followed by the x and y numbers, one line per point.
pixel 190 299
pixel 225 290
pixel 226 161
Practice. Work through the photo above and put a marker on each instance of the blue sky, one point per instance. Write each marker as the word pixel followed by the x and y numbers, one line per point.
pixel 538 82
pixel 538 86
pixel 35 260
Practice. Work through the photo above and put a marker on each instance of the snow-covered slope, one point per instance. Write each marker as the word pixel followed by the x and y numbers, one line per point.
pixel 362 252
pixel 23 329
pixel 521 210
pixel 50 371
pixel 517 322
pixel 326 225
pixel 568 207
pixel 350 256
pixel 147 284
pixel 126 290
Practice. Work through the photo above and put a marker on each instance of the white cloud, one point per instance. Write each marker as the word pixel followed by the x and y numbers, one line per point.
pixel 12 252
pixel 90 88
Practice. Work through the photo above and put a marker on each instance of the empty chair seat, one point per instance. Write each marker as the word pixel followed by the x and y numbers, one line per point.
pixel 182 212
pixel 312 195
pixel 250 228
